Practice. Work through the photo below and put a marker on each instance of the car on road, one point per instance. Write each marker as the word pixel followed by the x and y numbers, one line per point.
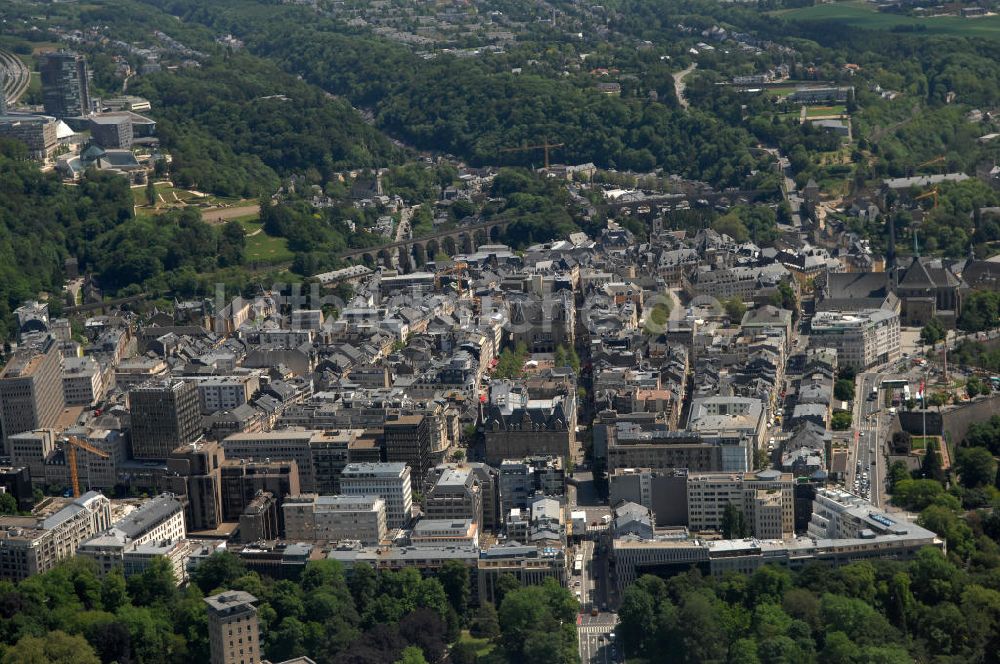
pixel 594 611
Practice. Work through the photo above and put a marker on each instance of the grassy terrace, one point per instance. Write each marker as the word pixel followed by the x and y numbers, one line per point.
pixel 261 247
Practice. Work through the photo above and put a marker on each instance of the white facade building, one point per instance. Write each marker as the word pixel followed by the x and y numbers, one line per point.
pixel 862 339
pixel 391 481
pixel 313 518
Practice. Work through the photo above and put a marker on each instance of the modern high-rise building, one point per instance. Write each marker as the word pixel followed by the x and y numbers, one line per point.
pixel 233 628
pixel 391 481
pixel 31 389
pixel 194 472
pixel 408 439
pixel 242 480
pixel 65 84
pixel 164 415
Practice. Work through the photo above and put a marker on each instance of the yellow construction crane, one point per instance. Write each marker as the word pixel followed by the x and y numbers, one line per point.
pixel 544 145
pixel 458 268
pixel 940 159
pixel 928 194
pixel 72 443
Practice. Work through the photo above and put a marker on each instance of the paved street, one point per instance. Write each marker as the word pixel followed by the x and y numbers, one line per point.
pixel 596 644
pixel 592 586
pixel 866 465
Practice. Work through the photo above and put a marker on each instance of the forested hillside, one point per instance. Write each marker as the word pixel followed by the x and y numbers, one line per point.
pixel 238 124
pixel 473 108
pixel 43 222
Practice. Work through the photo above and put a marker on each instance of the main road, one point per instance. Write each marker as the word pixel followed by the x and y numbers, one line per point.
pixel 597 643
pixel 17 76
pixel 866 464
pixel 593 585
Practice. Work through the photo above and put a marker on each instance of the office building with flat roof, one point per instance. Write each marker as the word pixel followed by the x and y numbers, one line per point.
pixel 312 518
pixel 862 339
pixel 764 498
pixel 164 415
pixel 37 132
pixel 844 529
pixel 159 518
pixel 522 479
pixel 83 381
pixel 242 480
pixel 111 131
pixel 194 473
pixel 391 481
pixel 65 84
pixel 408 439
pixel 31 545
pixel 455 495
pixel 31 390
pixel 281 445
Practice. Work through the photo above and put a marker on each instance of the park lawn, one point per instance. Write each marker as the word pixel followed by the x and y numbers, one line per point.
pixel 918 443
pixel 263 248
pixel 860 14
pixel 483 646
pixel 250 222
